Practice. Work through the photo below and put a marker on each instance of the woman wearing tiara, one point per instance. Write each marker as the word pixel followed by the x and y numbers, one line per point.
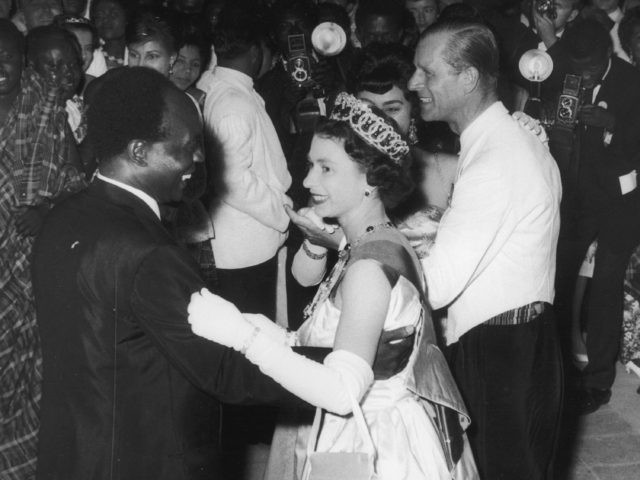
pixel 358 169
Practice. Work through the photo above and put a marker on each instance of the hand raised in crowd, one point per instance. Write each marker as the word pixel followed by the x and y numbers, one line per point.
pixel 545 27
pixel 314 228
pixel 597 116
pixel 29 222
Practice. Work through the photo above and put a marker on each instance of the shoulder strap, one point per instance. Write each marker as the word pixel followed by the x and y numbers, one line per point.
pixel 394 254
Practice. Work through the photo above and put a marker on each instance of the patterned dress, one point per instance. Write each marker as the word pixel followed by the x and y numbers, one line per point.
pixel 33 171
pixel 630 344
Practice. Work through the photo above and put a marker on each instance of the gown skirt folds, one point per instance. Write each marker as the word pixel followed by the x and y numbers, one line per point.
pixel 401 419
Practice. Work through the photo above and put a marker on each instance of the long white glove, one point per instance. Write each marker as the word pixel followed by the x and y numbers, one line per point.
pixel 272 329
pixel 323 385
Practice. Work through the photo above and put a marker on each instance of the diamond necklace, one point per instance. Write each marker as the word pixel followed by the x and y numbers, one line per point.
pixel 330 282
pixel 368 230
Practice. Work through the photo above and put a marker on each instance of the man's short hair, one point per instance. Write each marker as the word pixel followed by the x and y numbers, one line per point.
pixel 239 28
pixel 129 105
pixel 587 38
pixel 392 9
pixel 40 38
pixel 305 9
pixel 469 44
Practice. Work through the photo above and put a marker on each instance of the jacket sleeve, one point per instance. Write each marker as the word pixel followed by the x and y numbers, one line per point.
pixel 162 288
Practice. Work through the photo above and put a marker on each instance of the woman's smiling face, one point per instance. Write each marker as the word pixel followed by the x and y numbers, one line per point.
pixel 336 183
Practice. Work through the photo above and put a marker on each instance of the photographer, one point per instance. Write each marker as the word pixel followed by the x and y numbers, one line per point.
pixel 295 93
pixel 548 21
pixel 608 196
pixel 295 89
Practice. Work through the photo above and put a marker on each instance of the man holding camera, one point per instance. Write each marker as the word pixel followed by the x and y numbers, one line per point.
pixel 608 206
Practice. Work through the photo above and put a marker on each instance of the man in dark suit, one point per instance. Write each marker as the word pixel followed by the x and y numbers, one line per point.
pixel 609 197
pixel 129 391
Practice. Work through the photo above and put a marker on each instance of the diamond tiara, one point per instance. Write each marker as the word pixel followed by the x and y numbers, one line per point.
pixel 370 127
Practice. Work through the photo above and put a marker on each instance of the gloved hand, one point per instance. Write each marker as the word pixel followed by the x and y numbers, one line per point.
pixel 218 320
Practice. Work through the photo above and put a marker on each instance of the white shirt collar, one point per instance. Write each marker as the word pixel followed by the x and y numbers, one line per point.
pixel 616 15
pixel 233 76
pixel 478 126
pixel 153 205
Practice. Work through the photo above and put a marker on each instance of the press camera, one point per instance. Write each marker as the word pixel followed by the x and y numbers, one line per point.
pixel 546 8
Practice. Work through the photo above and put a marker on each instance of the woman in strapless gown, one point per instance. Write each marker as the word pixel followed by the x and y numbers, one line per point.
pixel 415 418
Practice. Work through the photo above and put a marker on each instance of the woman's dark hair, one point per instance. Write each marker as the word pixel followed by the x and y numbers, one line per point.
pixel 393 180
pixel 153 24
pixel 73 22
pixel 192 30
pixel 629 23
pixel 380 67
pixel 201 44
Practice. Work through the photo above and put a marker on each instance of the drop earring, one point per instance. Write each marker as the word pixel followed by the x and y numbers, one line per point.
pixel 412 134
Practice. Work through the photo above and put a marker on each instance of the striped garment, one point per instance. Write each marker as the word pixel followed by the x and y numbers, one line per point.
pixel 33 170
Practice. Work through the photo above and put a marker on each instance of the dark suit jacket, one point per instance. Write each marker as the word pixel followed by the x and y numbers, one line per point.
pixel 129 391
pixel 604 210
pixel 620 91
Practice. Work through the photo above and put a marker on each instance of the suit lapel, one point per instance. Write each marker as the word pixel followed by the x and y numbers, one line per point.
pixel 129 203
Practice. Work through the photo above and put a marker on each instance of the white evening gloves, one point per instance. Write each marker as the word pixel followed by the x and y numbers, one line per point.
pixel 322 385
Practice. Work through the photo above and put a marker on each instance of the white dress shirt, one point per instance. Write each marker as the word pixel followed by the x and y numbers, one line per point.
pixel 153 205
pixel 249 216
pixel 496 245
pixel 616 16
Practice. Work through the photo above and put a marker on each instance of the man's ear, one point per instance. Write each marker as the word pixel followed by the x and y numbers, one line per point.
pixel 574 13
pixel 137 152
pixel 256 52
pixel 470 77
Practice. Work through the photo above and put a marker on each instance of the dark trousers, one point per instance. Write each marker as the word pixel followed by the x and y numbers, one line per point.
pixel 252 290
pixel 511 380
pixel 618 236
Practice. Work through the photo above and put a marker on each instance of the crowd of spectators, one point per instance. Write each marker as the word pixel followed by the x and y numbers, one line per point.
pixel 259 79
